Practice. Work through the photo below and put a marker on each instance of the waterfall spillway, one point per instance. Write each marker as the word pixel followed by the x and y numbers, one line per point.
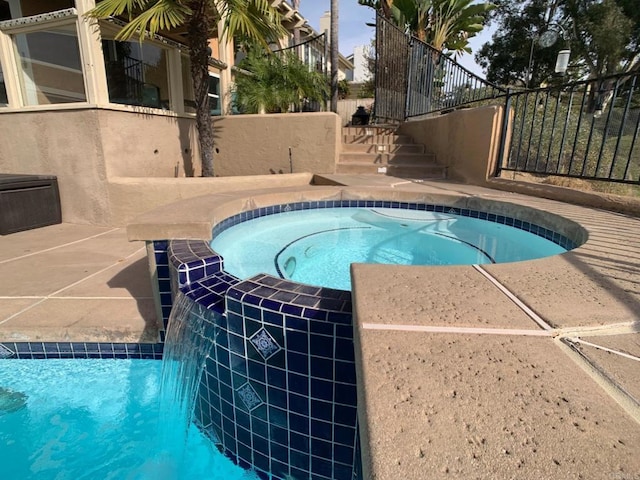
pixel 185 353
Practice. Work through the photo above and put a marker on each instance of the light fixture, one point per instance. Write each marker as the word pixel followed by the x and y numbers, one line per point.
pixel 562 61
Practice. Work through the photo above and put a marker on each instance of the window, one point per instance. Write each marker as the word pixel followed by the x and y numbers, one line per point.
pixel 137 73
pixel 3 91
pixel 187 86
pixel 214 95
pixel 50 68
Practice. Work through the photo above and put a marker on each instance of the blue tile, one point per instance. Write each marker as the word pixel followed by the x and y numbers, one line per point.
pixel 321 430
pixel 276 376
pixel 260 444
pixel 299 460
pixel 344 350
pixel 345 393
pixel 343 454
pixel 344 434
pixel 236 344
pixel 277 397
pixel 342 472
pixel 261 462
pixel 291 310
pixel 321 448
pixel 260 427
pixel 297 362
pixel 345 414
pixel 299 404
pixel 279 469
pixel 296 323
pixel 298 423
pixel 299 442
pixel 322 467
pixel 345 372
pixel 322 410
pixel 322 368
pixel 278 417
pixel 321 346
pixel 322 389
pixel 298 384
pixel 297 342
pixel 273 318
pixel 279 435
pixel 256 371
pixel 323 328
pixel 243 436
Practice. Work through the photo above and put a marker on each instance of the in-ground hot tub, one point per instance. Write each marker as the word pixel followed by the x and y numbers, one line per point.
pixel 278 392
pixel 28 201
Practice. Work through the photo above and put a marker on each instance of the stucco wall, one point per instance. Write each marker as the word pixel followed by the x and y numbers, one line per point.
pixel 67 144
pixel 259 144
pixel 143 145
pixel 112 165
pixel 467 141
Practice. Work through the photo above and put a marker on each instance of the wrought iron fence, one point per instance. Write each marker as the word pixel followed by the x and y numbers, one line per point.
pixel 414 79
pixel 588 129
pixel 392 59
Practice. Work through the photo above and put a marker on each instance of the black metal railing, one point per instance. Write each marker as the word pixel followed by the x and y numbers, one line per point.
pixel 414 79
pixel 392 59
pixel 588 129
pixel 303 52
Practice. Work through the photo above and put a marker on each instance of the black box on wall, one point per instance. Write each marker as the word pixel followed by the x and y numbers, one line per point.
pixel 27 202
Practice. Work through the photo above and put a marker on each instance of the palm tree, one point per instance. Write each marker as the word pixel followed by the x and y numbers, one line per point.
pixel 274 83
pixel 255 19
pixel 334 55
pixel 443 24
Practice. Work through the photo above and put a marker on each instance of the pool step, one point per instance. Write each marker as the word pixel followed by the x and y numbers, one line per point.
pixel 379 150
pixel 382 148
pixel 433 171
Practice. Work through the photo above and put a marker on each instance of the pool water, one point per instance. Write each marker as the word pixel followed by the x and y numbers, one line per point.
pixel 317 247
pixel 97 419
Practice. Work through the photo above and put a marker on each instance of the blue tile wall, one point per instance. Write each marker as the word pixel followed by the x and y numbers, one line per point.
pixel 278 392
pixel 160 252
pixel 80 350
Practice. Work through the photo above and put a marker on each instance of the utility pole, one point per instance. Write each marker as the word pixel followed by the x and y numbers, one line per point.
pixel 334 56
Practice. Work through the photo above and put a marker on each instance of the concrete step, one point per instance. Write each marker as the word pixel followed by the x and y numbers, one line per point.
pixel 381 148
pixel 377 139
pixel 403 171
pixel 388 158
pixel 369 130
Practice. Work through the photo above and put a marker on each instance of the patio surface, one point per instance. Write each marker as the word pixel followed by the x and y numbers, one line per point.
pixel 526 370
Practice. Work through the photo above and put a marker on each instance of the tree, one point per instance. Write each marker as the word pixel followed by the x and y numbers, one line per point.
pixel 273 83
pixel 333 42
pixel 604 36
pixel 444 24
pixel 255 19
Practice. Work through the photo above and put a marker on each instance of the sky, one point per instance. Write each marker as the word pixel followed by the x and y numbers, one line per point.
pixel 353 31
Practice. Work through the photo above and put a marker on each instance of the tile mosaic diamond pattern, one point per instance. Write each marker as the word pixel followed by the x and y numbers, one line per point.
pixel 249 396
pixel 5 352
pixel 265 344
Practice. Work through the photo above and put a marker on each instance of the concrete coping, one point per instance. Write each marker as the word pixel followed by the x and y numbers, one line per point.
pixel 196 217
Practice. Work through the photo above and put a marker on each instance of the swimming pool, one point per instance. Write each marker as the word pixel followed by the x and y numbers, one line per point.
pixel 279 388
pixel 318 246
pixel 97 418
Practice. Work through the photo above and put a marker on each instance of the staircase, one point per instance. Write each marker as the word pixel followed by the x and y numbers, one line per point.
pixel 379 150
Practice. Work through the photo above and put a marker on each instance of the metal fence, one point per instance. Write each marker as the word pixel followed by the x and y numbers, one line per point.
pixel 414 79
pixel 588 129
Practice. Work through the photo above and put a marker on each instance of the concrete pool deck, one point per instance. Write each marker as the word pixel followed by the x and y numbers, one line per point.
pixel 502 371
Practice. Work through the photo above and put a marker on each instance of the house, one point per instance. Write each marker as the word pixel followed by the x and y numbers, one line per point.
pixel 51 55
pixel 99 113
